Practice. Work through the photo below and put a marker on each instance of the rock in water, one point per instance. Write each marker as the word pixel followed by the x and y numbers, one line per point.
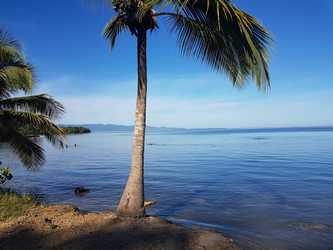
pixel 80 191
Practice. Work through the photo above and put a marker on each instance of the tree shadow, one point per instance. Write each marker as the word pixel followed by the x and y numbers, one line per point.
pixel 120 235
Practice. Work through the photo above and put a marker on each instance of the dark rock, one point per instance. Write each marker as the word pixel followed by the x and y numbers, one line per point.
pixel 80 191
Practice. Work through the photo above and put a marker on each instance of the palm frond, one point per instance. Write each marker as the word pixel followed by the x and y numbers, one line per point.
pixel 39 104
pixel 224 37
pixel 149 5
pixel 196 39
pixel 30 153
pixel 10 49
pixel 7 40
pixel 15 73
pixel 16 77
pixel 37 122
pixel 113 28
pixel 21 114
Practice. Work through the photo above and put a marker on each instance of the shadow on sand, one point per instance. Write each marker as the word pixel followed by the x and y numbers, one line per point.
pixel 69 229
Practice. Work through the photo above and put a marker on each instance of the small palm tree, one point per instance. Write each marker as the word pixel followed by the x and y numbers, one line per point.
pixel 214 31
pixel 19 114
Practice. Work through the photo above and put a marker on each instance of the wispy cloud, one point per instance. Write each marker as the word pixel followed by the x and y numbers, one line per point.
pixel 176 103
pixel 193 113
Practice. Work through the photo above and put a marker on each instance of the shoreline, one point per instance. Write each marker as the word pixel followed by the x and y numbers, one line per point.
pixel 66 227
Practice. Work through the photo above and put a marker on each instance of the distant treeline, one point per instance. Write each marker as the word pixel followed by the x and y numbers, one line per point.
pixel 76 130
pixel 67 130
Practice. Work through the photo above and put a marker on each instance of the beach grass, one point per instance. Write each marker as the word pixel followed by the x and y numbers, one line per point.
pixel 13 205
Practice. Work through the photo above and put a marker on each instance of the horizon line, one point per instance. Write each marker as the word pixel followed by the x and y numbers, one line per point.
pixel 211 128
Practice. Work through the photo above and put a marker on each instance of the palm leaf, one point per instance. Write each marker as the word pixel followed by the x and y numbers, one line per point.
pixel 113 28
pixel 37 122
pixel 10 49
pixel 15 72
pixel 7 40
pixel 40 104
pixel 30 153
pixel 14 78
pixel 236 44
pixel 21 114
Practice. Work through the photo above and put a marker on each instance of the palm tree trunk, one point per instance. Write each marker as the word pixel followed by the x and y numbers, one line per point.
pixel 132 200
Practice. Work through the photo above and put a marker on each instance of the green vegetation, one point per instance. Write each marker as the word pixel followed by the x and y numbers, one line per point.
pixel 14 205
pixel 5 174
pixel 75 130
pixel 214 31
pixel 65 129
pixel 34 113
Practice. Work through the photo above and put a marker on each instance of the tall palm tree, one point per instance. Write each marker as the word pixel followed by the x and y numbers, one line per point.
pixel 18 114
pixel 214 31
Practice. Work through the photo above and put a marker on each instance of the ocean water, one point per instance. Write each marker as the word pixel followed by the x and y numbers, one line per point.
pixel 271 190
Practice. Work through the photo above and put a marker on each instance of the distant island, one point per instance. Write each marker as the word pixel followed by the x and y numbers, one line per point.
pixel 75 130
pixel 67 130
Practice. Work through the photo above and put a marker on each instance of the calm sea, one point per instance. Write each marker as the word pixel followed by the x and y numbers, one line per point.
pixel 270 190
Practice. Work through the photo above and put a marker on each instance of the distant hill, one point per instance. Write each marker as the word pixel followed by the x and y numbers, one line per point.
pixel 75 130
pixel 126 128
pixel 108 127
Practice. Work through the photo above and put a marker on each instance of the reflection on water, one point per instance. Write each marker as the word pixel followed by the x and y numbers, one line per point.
pixel 266 190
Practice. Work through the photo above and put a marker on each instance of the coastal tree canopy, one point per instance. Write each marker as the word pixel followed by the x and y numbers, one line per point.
pixel 214 31
pixel 35 112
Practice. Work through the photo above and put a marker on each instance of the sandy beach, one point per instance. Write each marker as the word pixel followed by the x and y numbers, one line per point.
pixel 65 227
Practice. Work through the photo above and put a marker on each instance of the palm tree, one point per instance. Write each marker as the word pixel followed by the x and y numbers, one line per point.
pixel 18 114
pixel 214 31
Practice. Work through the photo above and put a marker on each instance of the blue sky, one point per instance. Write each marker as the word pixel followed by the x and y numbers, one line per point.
pixel 73 62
